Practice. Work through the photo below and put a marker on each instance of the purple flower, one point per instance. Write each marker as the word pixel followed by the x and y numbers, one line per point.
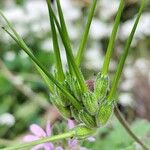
pixel 38 133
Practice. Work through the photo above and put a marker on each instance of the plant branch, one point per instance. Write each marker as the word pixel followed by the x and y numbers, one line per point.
pixel 127 128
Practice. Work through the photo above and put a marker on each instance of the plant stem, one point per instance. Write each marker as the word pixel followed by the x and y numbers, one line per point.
pixel 112 39
pixel 127 128
pixel 69 51
pixel 59 67
pixel 65 32
pixel 124 55
pixel 43 140
pixel 85 34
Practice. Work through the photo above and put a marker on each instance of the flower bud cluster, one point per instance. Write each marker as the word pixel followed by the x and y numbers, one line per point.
pixel 95 108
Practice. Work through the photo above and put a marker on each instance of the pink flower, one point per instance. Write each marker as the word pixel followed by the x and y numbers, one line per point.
pixel 38 133
pixel 72 143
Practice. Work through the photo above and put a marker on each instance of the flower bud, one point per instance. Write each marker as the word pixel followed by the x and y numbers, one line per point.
pixel 77 92
pixel 74 87
pixel 75 113
pixel 82 131
pixel 101 86
pixel 90 102
pixel 65 111
pixel 104 113
pixel 87 119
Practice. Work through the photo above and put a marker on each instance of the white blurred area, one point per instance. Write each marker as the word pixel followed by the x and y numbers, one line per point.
pixel 33 17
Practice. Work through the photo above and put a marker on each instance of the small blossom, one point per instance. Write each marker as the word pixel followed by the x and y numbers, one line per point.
pixel 38 133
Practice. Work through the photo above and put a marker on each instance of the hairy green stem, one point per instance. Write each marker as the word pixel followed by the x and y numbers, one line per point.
pixel 127 128
pixel 43 140
pixel 85 34
pixel 112 39
pixel 124 55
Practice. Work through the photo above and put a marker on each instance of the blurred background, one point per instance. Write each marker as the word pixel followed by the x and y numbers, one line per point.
pixel 24 97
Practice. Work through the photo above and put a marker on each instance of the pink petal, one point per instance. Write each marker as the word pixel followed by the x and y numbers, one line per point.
pixel 72 143
pixel 48 129
pixel 59 148
pixel 38 147
pixel 83 148
pixel 48 146
pixel 71 124
pixel 37 130
pixel 30 138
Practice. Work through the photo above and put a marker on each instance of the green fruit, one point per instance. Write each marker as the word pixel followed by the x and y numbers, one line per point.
pixel 64 111
pixel 87 119
pixel 101 86
pixel 90 102
pixel 104 113
pixel 75 113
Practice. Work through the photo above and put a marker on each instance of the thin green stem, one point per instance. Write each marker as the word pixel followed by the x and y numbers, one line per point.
pixel 85 34
pixel 65 32
pixel 59 67
pixel 46 79
pixel 112 39
pixel 127 128
pixel 43 140
pixel 69 52
pixel 124 55
pixel 50 76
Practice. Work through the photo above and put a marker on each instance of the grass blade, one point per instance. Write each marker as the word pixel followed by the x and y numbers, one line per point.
pixel 85 34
